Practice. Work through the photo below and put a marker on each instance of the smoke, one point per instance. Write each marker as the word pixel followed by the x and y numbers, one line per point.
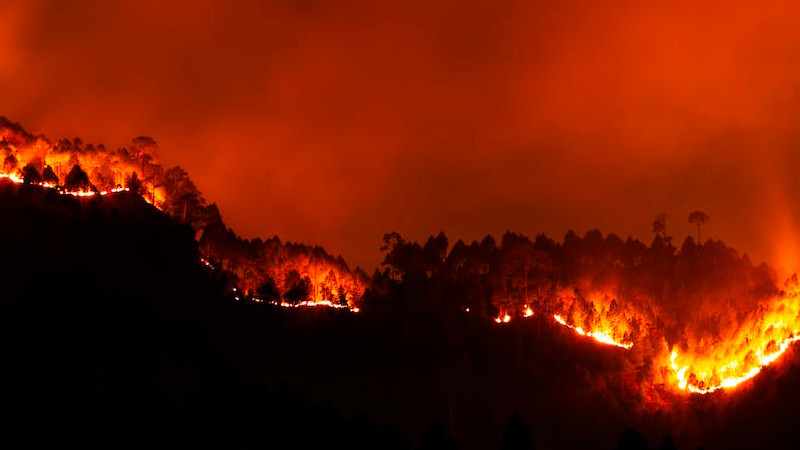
pixel 334 122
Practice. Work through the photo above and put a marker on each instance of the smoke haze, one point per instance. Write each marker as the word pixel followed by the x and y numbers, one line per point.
pixel 332 123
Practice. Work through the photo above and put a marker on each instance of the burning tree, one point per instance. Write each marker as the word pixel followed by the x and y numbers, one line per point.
pixel 9 164
pixel 183 197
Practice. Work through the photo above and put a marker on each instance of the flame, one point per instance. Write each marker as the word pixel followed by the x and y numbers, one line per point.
pixel 17 180
pixel 603 337
pixel 711 360
pixel 706 383
pixel 503 318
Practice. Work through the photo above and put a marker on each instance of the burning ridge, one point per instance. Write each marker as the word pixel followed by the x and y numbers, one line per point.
pixel 706 316
pixel 282 273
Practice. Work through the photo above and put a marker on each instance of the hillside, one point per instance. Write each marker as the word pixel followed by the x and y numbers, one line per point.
pixel 118 333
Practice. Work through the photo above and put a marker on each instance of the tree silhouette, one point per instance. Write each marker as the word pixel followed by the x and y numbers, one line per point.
pixel 30 174
pixel 183 198
pixel 297 288
pixel 48 176
pixel 143 145
pixel 698 217
pixel 517 435
pixel 660 225
pixel 133 183
pixel 77 180
pixel 405 259
pixel 268 291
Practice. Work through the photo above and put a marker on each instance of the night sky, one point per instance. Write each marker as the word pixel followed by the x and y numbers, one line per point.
pixel 335 122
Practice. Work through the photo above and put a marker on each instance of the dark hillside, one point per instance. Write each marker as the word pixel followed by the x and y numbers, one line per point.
pixel 107 337
pixel 112 333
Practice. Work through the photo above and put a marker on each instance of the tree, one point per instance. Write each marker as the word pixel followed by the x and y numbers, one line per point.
pixel 341 296
pixel 328 286
pixel 405 259
pixel 30 175
pixel 268 291
pixel 133 184
pixel 297 287
pixel 9 164
pixel 698 217
pixel 77 180
pixel 183 198
pixel 517 435
pixel 660 225
pixel 143 145
pixel 144 150
pixel 48 176
pixel 435 251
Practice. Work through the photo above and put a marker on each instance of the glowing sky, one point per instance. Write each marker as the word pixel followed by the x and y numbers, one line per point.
pixel 333 122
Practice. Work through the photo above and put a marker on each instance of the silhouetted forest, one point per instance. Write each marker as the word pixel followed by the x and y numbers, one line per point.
pixel 116 334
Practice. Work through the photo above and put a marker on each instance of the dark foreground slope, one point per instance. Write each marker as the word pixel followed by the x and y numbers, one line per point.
pixel 106 338
pixel 113 334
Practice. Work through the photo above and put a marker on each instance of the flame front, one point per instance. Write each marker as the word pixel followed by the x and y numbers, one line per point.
pixel 705 367
pixel 24 157
pixel 722 334
pixel 734 361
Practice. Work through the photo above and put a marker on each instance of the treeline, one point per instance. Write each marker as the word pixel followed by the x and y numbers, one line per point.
pixel 270 270
pixel 656 294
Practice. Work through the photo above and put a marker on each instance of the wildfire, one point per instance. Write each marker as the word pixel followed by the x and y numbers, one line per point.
pixel 306 304
pixel 318 300
pixel 505 318
pixel 17 180
pixel 602 337
pixel 731 374
pixel 715 354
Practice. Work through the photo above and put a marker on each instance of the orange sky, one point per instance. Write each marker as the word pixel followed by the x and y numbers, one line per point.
pixel 333 122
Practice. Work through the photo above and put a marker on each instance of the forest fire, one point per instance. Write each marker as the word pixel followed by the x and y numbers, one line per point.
pixel 282 274
pixel 603 337
pixel 600 336
pixel 730 363
pixel 15 179
pixel 705 370
pixel 711 318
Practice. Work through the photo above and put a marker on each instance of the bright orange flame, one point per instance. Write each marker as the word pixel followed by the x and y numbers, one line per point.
pixel 603 337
